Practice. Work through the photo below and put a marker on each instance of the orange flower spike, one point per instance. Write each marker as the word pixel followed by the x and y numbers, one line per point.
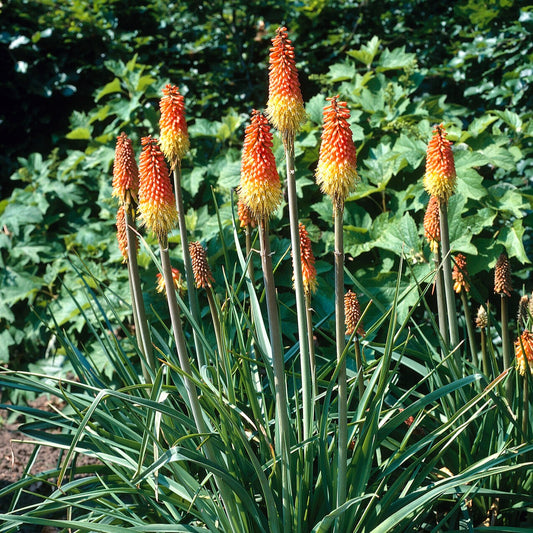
pixel 502 276
pixel 523 349
pixel 200 267
pixel 121 233
pixel 352 314
pixel 432 224
pixel 260 188
pixel 176 277
pixel 336 172
pixel 459 273
pixel 125 171
pixel 174 137
pixel 440 176
pixel 308 261
pixel 285 107
pixel 157 208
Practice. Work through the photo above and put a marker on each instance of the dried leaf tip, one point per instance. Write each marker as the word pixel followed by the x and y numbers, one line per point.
pixel 336 171
pixel 285 108
pixel 440 176
pixel 174 136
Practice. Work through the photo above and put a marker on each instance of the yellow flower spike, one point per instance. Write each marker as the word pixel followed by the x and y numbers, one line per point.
pixel 440 176
pixel 285 108
pixel 432 224
pixel 125 171
pixel 200 267
pixel 336 171
pixel 352 314
pixel 259 188
pixel 308 261
pixel 482 319
pixel 174 136
pixel 157 208
pixel 459 273
pixel 523 349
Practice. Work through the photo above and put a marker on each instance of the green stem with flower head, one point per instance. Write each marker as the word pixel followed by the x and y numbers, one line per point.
pixel 139 314
pixel 280 385
pixel 441 301
pixel 448 281
pixel 305 360
pixel 191 287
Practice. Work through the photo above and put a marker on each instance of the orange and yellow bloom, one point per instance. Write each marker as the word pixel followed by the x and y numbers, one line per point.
pixel 308 261
pixel 157 208
pixel 125 171
pixel 336 172
pixel 432 224
pixel 285 108
pixel 440 176
pixel 176 277
pixel 174 136
pixel 523 349
pixel 459 273
pixel 260 187
pixel 502 276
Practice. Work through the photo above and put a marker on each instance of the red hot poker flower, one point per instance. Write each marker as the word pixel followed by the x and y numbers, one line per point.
pixel 352 314
pixel 174 136
pixel 176 277
pixel 121 233
pixel 432 224
pixel 440 176
pixel 308 261
pixel 200 267
pixel 245 215
pixel 157 208
pixel 459 273
pixel 125 172
pixel 523 349
pixel 285 107
pixel 260 188
pixel 336 172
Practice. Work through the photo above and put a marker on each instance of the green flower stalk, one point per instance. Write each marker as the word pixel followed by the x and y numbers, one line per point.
pixel 260 191
pixel 175 144
pixel 439 181
pixel 286 112
pixel 125 188
pixel 336 174
pixel 503 287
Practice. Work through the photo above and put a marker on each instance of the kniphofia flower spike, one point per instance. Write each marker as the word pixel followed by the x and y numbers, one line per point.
pixel 440 176
pixel 260 188
pixel 174 136
pixel 432 224
pixel 285 108
pixel 523 349
pixel 459 274
pixel 308 261
pixel 157 207
pixel 203 276
pixel 125 171
pixel 336 172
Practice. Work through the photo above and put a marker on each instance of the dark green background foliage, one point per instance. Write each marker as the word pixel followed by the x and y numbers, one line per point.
pixel 77 73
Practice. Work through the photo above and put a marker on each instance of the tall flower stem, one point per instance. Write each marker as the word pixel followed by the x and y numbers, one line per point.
pixel 280 385
pixel 506 347
pixel 311 343
pixel 301 312
pixel 441 301
pixel 470 329
pixel 139 312
pixel 359 364
pixel 484 354
pixel 342 398
pixel 448 282
pixel 191 288
pixel 190 387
